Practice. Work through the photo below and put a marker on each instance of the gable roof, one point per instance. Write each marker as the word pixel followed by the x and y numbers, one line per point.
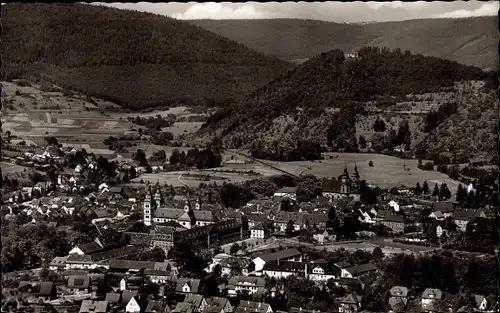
pixel 154 307
pixel 79 282
pixel 131 265
pixel 478 299
pixel 127 295
pixel 253 280
pixel 280 255
pixel 463 215
pixel 399 291
pixel 352 298
pixel 432 293
pixel 113 297
pixel 194 284
pixel 90 306
pixel 361 269
pixel 168 213
pixel 253 307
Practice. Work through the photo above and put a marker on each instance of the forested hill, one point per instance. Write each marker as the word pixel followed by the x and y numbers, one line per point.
pixel 471 41
pixel 328 82
pixel 137 59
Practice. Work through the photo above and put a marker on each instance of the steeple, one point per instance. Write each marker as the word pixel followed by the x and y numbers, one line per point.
pixel 346 181
pixel 355 175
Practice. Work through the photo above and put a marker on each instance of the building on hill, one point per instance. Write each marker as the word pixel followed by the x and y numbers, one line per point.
pixel 286 193
pixel 347 188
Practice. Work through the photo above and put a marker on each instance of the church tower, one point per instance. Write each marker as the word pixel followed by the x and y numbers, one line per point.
pixel 147 209
pixel 355 175
pixel 346 182
pixel 157 198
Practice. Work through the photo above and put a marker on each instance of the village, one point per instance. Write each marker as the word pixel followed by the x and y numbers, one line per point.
pixel 161 248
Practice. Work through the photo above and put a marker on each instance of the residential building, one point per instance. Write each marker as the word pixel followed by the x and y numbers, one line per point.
pixel 358 270
pixel 323 272
pixel 248 284
pixel 398 299
pixel 218 305
pixel 91 306
pixel 133 305
pixel 283 269
pixel 395 222
pixel 235 265
pixel 462 218
pixel 164 215
pixel 258 231
pixel 185 285
pixel 430 299
pixel 79 285
pixel 282 255
pixel 253 307
pixel 350 303
pixel 287 193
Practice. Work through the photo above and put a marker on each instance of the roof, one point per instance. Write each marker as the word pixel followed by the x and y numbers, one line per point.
pixel 343 264
pixel 193 283
pixel 352 298
pixel 194 299
pixel 287 190
pixel 129 265
pixel 204 215
pixel 279 255
pixel 258 226
pixel 113 297
pixel 463 215
pixel 168 213
pixel 399 291
pixel 443 206
pixel 154 307
pixel 478 299
pixel 79 259
pixel 361 269
pixel 58 261
pixel 128 294
pixel 394 219
pixel 303 310
pixel 250 306
pixel 46 289
pixel 90 306
pixel 90 247
pixel 79 282
pixel 183 307
pixel 285 266
pixel 255 281
pixel 438 214
pixel 432 293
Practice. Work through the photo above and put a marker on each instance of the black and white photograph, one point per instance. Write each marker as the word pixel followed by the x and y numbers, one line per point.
pixel 250 157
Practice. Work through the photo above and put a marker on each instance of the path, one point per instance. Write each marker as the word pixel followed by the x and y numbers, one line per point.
pixel 49 118
pixel 180 180
pixel 264 163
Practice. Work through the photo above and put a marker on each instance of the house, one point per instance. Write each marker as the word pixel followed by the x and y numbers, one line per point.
pixel 127 295
pixel 430 298
pixel 462 218
pixel 91 306
pixel 282 269
pixel 232 265
pixel 253 307
pixel 286 192
pixel 245 283
pixel 154 306
pixel 158 276
pixel 323 272
pixel 282 219
pixel 285 255
pixel 218 305
pixel 258 231
pixel 398 298
pixel 164 215
pixel 185 285
pixel 358 270
pixel 198 302
pixel 365 217
pixel 58 263
pixel 350 303
pixel 47 291
pixel 133 305
pixel 79 285
pixel 481 302
pixel 196 218
pixel 444 207
pixel 437 215
pixel 395 222
pixel 394 205
pixel 88 248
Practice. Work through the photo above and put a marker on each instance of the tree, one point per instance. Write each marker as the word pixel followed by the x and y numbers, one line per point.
pixel 190 258
pixel 362 142
pixel 51 141
pixel 140 156
pixel 418 189
pixel 425 188
pixel 370 164
pixel 435 193
pixel 379 126
pixel 377 253
pixel 461 194
pixel 234 248
pixel 309 187
pixel 444 192
pixel 289 228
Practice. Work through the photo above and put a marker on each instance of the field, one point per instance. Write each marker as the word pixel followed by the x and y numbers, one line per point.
pixel 9 168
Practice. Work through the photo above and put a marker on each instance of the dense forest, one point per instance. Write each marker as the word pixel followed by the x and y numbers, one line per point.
pixel 137 59
pixel 299 39
pixel 330 87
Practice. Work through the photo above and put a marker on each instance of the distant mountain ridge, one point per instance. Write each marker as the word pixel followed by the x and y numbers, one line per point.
pixel 136 59
pixel 471 41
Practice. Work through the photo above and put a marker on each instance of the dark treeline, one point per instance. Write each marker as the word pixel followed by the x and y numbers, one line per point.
pixel 302 150
pixel 205 158
pixel 157 122
pixel 435 117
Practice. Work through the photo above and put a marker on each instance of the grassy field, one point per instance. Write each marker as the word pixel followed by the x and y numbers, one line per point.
pixel 9 168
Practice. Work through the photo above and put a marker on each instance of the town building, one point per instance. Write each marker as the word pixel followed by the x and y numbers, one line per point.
pixel 347 188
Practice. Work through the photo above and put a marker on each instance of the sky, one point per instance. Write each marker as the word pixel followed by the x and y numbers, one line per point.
pixel 342 12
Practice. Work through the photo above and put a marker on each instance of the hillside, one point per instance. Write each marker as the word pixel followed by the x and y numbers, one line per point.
pixel 320 100
pixel 136 59
pixel 471 41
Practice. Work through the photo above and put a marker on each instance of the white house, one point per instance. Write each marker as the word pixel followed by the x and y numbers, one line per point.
pixel 258 231
pixel 133 306
pixel 394 205
pixel 286 255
